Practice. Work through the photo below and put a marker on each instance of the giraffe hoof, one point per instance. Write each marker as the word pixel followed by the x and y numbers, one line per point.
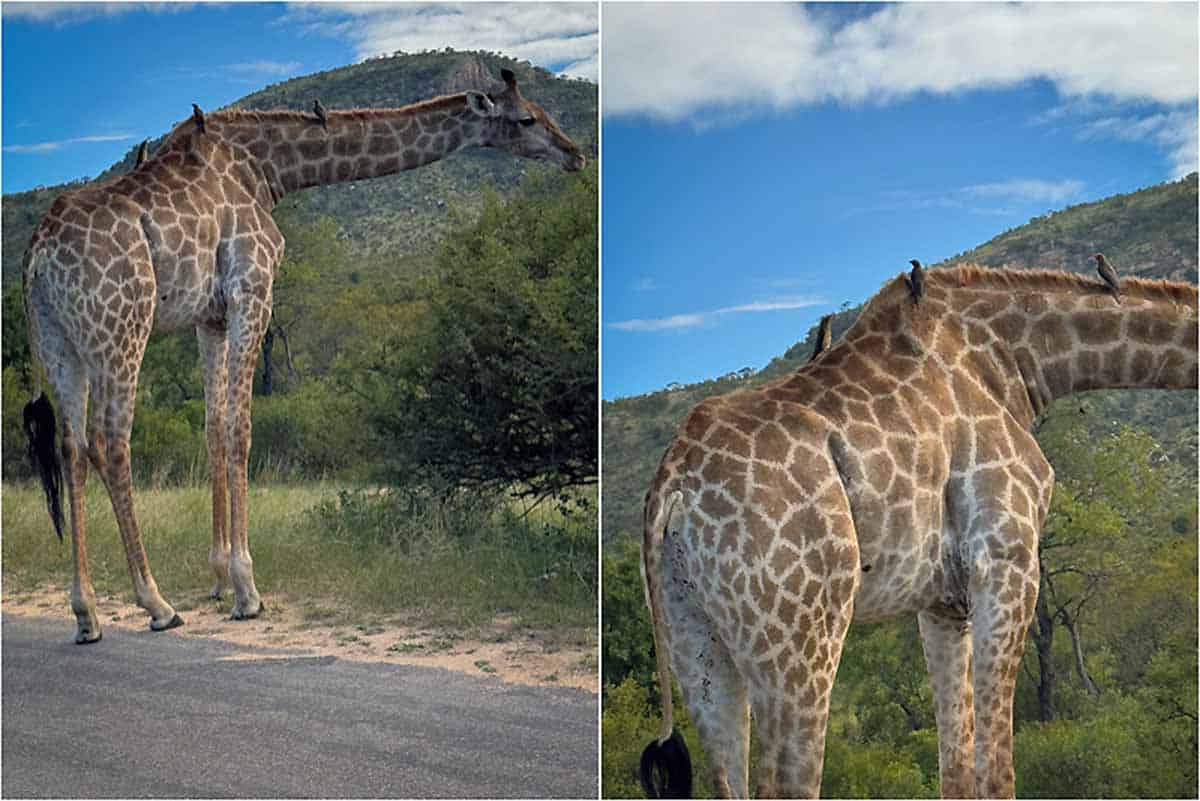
pixel 87 638
pixel 247 612
pixel 175 622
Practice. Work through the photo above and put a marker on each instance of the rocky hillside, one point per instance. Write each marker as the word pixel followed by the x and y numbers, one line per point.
pixel 401 213
pixel 1149 233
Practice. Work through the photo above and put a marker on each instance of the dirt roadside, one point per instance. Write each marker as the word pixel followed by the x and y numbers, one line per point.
pixel 502 650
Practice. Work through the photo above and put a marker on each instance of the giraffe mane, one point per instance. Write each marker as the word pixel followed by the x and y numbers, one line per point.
pixel 976 276
pixel 968 275
pixel 237 115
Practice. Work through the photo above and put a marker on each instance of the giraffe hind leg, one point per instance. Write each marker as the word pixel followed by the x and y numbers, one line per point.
pixel 713 689
pixel 114 417
pixel 66 374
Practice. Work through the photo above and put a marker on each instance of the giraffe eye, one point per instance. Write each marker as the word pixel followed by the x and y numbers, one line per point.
pixel 527 121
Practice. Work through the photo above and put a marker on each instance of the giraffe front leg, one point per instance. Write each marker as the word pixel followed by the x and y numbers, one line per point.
pixel 247 324
pixel 213 354
pixel 1003 600
pixel 947 645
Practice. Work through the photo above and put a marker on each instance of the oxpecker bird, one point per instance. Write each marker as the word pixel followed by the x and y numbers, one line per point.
pixel 142 153
pixel 319 110
pixel 824 336
pixel 1108 274
pixel 916 281
pixel 198 116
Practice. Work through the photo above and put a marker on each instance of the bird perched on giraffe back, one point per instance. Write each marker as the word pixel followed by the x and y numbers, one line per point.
pixel 142 153
pixel 319 110
pixel 198 116
pixel 1109 275
pixel 824 336
pixel 915 281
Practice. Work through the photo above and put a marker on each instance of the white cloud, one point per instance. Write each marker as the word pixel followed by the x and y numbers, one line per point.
pixel 676 61
pixel 547 34
pixel 70 13
pixel 694 319
pixel 50 147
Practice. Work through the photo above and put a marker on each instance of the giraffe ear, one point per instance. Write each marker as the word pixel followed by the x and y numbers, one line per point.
pixel 509 77
pixel 482 105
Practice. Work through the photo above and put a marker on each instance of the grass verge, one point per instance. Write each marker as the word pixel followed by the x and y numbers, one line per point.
pixel 336 550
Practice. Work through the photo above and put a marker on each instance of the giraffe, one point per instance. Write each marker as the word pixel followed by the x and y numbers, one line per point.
pixel 187 240
pixel 894 474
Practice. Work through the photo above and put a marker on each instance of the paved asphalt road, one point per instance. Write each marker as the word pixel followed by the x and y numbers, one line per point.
pixel 141 714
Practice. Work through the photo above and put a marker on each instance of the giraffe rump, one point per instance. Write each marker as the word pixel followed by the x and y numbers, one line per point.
pixel 40 429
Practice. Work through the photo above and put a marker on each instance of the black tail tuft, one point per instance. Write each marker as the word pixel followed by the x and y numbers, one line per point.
pixel 43 454
pixel 670 764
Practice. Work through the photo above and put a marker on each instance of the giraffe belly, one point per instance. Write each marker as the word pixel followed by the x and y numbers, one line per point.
pixel 906 577
pixel 183 297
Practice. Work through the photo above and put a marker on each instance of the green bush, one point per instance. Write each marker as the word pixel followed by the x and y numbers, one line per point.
pixel 313 432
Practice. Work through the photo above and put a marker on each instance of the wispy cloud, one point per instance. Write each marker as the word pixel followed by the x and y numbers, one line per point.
pixel 646 284
pixel 71 13
pixel 270 68
pixel 1174 131
pixel 694 319
pixel 1026 190
pixel 50 147
pixel 1000 198
pixel 676 61
pixel 559 35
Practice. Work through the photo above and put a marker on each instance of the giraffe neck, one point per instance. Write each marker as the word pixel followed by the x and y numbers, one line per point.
pixel 290 151
pixel 1143 343
pixel 1060 333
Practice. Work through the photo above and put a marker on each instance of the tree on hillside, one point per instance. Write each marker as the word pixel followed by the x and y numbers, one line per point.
pixel 498 386
pixel 1104 495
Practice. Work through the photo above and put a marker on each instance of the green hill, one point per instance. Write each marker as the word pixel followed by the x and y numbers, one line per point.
pixel 1149 233
pixel 400 213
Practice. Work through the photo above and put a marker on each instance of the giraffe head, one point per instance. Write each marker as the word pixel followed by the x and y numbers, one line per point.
pixel 522 127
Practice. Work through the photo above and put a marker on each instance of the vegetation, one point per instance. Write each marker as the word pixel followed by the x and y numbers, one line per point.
pixel 458 565
pixel 1106 701
pixel 497 385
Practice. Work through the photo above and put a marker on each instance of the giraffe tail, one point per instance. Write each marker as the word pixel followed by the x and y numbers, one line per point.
pixel 40 430
pixel 40 427
pixel 665 761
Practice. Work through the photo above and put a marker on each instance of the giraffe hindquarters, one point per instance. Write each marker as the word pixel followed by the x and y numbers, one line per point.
pixel 713 689
pixel 66 374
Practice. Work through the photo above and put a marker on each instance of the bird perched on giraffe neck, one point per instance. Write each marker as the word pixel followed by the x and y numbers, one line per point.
pixel 1109 275
pixel 824 336
pixel 142 153
pixel 319 110
pixel 198 116
pixel 915 281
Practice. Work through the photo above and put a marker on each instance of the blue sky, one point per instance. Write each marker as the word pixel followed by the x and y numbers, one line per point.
pixel 85 82
pixel 764 163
